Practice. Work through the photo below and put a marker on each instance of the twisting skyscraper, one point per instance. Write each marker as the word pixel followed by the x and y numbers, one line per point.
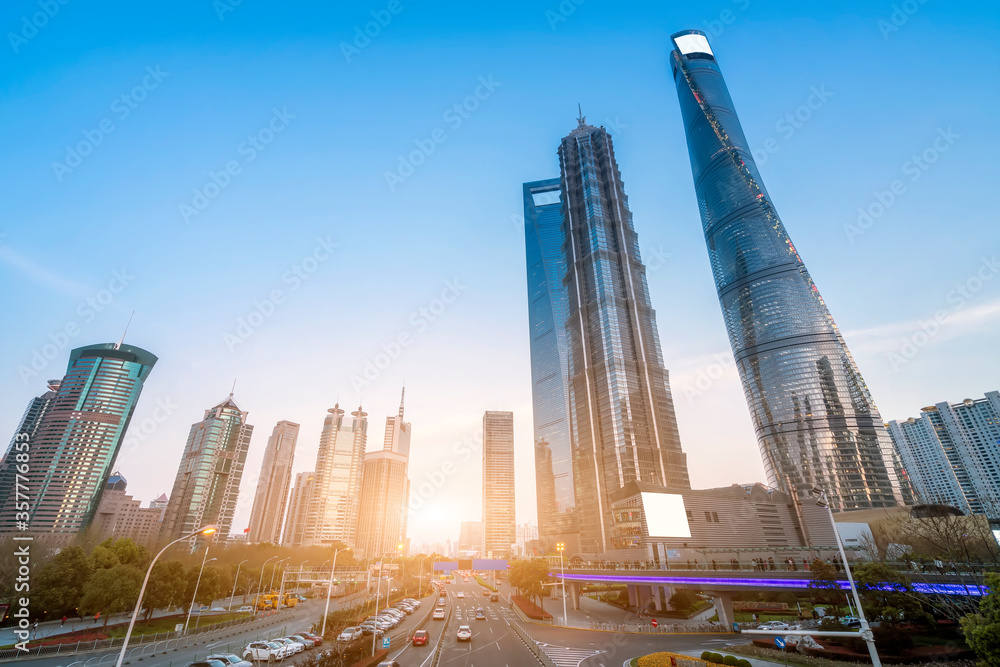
pixel 621 412
pixel 816 422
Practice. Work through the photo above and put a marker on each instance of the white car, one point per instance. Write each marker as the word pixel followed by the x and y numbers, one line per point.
pixel 245 609
pixel 296 645
pixel 460 594
pixel 464 633
pixel 349 634
pixel 439 614
pixel 230 660
pixel 263 652
pixel 773 625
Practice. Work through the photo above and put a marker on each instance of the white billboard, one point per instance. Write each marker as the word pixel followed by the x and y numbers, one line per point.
pixel 665 514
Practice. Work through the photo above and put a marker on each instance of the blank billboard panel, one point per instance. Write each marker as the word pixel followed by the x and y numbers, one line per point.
pixel 665 514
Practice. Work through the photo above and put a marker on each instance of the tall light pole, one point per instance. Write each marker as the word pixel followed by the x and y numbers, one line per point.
pixel 420 574
pixel 274 568
pixel 866 632
pixel 329 588
pixel 204 530
pixel 560 547
pixel 197 583
pixel 261 582
pixel 236 579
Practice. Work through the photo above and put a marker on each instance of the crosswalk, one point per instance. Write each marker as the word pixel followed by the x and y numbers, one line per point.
pixel 565 656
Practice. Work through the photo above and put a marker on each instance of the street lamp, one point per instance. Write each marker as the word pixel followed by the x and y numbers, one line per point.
pixel 197 583
pixel 235 579
pixel 274 568
pixel 329 588
pixel 281 591
pixel 560 547
pixel 866 632
pixel 204 530
pixel 378 587
pixel 261 582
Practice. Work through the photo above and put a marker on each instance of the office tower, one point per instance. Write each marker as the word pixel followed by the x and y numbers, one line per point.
pixel 623 426
pixel 207 484
pixel 470 536
pixel 119 515
pixel 72 440
pixel 816 422
pixel 498 483
pixel 385 491
pixel 272 486
pixel 160 503
pixel 332 508
pixel 952 454
pixel 298 510
pixel 547 311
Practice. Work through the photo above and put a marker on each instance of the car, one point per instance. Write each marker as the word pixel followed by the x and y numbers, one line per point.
pixel 486 593
pixel 494 598
pixel 293 646
pixel 370 628
pixel 773 625
pixel 480 614
pixel 390 663
pixel 405 608
pixel 420 638
pixel 441 602
pixel 460 594
pixel 308 642
pixel 851 621
pixel 438 615
pixel 412 602
pixel 349 634
pixel 230 660
pixel 245 609
pixel 218 609
pixel 464 633
pixel 207 662
pixel 264 652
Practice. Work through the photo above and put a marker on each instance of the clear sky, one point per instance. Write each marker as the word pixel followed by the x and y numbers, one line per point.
pixel 194 160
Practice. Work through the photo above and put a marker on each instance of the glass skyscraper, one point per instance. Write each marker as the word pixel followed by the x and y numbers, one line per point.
pixel 332 507
pixel 498 484
pixel 74 433
pixel 619 408
pixel 268 513
pixel 815 420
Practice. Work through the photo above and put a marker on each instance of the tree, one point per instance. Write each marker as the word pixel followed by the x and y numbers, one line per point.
pixel 682 599
pixel 58 587
pixel 529 577
pixel 111 590
pixel 825 581
pixel 982 630
pixel 165 587
pixel 887 594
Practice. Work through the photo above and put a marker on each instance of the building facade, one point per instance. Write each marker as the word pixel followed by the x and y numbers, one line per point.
pixel 72 439
pixel 623 426
pixel 498 484
pixel 298 510
pixel 332 508
pixel 470 536
pixel 952 454
pixel 547 314
pixel 275 478
pixel 815 419
pixel 118 515
pixel 207 484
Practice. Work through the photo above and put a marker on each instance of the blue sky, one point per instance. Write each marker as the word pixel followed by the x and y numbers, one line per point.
pixel 164 98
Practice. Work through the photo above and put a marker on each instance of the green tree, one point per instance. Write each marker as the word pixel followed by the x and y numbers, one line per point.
pixel 529 577
pixel 825 583
pixel 111 591
pixel 58 587
pixel 682 599
pixel 887 594
pixel 982 630
pixel 165 587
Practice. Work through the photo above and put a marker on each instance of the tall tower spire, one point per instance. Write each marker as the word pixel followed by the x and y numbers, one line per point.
pixel 401 397
pixel 581 119
pixel 118 345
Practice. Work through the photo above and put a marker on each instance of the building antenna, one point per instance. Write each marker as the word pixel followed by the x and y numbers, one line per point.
pixel 234 388
pixel 581 118
pixel 118 345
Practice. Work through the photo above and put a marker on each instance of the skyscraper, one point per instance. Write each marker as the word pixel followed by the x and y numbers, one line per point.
pixel 73 438
pixel 268 511
pixel 385 490
pixel 470 536
pixel 547 311
pixel 623 426
pixel 332 507
pixel 952 453
pixel 207 484
pixel 298 510
pixel 816 422
pixel 498 484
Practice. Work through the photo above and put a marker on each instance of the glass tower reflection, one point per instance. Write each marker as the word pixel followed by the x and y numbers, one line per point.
pixel 815 419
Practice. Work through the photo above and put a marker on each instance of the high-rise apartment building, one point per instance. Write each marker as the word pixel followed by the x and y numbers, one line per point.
pixel 622 422
pixel 385 491
pixel 207 484
pixel 498 484
pixel 268 511
pixel 470 536
pixel 298 510
pixel 119 515
pixel 548 308
pixel 952 454
pixel 815 419
pixel 332 508
pixel 72 435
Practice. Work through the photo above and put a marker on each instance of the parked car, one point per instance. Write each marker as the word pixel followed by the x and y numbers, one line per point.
pixel 230 660
pixel 851 621
pixel 308 642
pixel 438 614
pixel 371 628
pixel 293 646
pixel 264 652
pixel 245 609
pixel 480 614
pixel 207 662
pixel 773 625
pixel 464 633
pixel 349 634
pixel 316 638
pixel 420 638
pixel 411 601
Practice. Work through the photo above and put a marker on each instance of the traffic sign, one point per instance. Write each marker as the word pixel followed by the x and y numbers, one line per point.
pixel 779 642
pixel 736 627
pixel 385 642
pixel 653 623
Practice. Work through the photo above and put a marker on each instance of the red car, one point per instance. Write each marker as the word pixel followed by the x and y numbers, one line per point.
pixel 316 638
pixel 420 638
